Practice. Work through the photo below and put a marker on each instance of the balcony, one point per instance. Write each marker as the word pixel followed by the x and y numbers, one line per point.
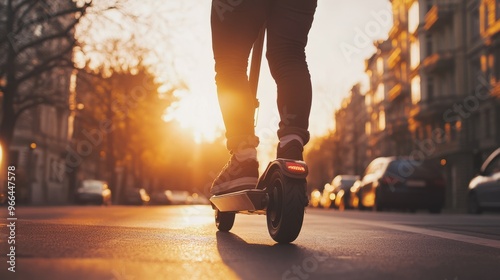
pixel 394 57
pixel 496 90
pixel 438 16
pixel 431 110
pixel 440 61
pixel 397 91
pixel 397 28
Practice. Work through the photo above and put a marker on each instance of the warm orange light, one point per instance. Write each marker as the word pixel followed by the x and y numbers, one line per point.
pixel 295 167
pixel 198 113
pixel 33 145
pixel 443 162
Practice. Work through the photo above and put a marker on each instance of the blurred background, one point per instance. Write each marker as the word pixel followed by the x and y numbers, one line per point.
pixel 115 101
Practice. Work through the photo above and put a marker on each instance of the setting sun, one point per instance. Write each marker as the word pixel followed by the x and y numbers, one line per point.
pixel 197 113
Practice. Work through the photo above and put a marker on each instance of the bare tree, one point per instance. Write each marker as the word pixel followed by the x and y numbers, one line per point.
pixel 36 39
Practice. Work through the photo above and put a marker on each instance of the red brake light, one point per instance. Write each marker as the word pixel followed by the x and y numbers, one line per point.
pixel 296 168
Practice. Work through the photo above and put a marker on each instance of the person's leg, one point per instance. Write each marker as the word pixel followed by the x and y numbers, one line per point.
pixel 235 26
pixel 288 27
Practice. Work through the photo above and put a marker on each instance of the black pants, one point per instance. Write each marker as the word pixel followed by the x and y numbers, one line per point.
pixel 235 27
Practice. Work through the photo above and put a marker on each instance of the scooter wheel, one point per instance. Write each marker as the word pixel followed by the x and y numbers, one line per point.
pixel 224 220
pixel 287 201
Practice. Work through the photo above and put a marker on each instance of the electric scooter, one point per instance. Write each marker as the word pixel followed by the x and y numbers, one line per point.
pixel 280 193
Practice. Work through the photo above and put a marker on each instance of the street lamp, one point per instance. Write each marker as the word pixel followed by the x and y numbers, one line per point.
pixel 31 170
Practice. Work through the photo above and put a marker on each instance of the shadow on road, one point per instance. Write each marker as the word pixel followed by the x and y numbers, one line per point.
pixel 259 261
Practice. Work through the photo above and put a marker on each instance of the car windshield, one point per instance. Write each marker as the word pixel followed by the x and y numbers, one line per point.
pixel 413 169
pixel 347 183
pixel 92 185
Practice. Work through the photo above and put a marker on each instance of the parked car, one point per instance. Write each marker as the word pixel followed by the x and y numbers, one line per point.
pixel 341 188
pixel 484 189
pixel 399 182
pixel 334 194
pixel 327 196
pixel 159 198
pixel 137 196
pixel 93 191
pixel 177 197
pixel 198 199
pixel 315 198
pixel 353 200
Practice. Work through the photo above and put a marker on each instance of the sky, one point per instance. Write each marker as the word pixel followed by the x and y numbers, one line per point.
pixel 340 40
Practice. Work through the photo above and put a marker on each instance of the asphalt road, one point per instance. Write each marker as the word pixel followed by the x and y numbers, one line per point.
pixel 181 242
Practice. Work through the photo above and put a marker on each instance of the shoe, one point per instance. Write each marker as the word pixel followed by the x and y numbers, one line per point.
pixel 236 176
pixel 292 150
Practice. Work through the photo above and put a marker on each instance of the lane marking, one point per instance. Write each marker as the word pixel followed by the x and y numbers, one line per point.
pixel 441 234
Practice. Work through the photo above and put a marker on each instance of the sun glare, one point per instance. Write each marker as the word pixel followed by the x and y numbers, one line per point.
pixel 197 113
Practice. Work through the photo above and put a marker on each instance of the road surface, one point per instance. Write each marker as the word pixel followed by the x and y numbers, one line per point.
pixel 181 242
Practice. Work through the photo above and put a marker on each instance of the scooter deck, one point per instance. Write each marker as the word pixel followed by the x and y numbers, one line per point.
pixel 252 201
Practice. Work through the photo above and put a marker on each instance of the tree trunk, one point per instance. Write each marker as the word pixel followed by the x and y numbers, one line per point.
pixel 110 155
pixel 8 114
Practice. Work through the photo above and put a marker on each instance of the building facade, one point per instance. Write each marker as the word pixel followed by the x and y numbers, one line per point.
pixel 43 131
pixel 434 90
pixel 350 145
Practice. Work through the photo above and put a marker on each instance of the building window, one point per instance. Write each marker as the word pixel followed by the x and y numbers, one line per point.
pixel 428 45
pixel 368 128
pixel 475 24
pixel 486 17
pixel 380 66
pixel 416 95
pixel 497 10
pixel 368 100
pixel 475 74
pixel 381 120
pixel 497 65
pixel 380 94
pixel 414 54
pixel 430 89
pixel 413 17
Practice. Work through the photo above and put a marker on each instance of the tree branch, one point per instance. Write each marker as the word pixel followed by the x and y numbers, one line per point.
pixel 35 102
pixel 62 34
pixel 46 17
pixel 45 66
pixel 28 9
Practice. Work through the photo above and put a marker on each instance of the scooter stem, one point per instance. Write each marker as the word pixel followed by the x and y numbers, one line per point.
pixel 256 61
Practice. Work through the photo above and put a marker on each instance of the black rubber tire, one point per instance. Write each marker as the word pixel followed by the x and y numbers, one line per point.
pixel 224 221
pixel 378 206
pixel 435 210
pixel 361 207
pixel 287 202
pixel 473 205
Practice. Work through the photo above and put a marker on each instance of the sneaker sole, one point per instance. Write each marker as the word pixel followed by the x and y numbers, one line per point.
pixel 239 184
